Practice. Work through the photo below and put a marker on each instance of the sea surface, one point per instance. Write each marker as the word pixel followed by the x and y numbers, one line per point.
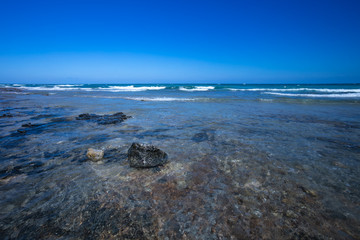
pixel 245 162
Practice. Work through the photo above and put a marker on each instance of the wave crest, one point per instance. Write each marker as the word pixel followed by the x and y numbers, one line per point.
pixel 131 88
pixel 160 99
pixel 325 90
pixel 197 89
pixel 67 87
pixel 344 95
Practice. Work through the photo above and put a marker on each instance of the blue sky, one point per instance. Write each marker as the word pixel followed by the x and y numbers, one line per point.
pixel 250 41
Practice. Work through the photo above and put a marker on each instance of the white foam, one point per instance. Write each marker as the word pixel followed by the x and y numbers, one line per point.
pixel 335 90
pixel 266 89
pixel 108 89
pixel 344 95
pixel 131 88
pixel 160 99
pixel 70 85
pixel 53 88
pixel 327 90
pixel 265 100
pixel 197 88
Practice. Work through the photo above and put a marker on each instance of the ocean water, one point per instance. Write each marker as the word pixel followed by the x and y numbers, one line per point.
pixel 245 162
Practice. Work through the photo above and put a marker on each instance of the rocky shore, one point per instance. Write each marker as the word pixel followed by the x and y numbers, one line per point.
pixel 66 174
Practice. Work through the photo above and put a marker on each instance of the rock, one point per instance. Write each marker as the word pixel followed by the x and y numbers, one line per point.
pixel 310 192
pixel 10 89
pixel 27 125
pixel 95 155
pixel 146 156
pixel 6 115
pixel 104 119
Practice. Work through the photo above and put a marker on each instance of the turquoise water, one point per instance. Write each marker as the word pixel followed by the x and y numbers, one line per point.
pixel 245 161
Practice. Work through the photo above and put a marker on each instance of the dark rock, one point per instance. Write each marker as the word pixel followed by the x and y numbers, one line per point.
pixel 28 168
pixel 156 169
pixel 21 131
pixel 6 115
pixel 310 192
pixel 27 125
pixel 104 119
pixel 146 156
pixel 86 116
pixel 30 125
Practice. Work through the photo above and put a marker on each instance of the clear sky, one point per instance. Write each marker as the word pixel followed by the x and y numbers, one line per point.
pixel 180 41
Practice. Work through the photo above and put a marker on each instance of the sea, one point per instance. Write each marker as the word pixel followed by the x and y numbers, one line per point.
pixel 245 161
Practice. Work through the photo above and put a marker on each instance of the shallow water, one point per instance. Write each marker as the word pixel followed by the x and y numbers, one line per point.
pixel 243 163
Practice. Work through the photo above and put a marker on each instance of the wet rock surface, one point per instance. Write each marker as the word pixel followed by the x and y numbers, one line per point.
pixel 103 119
pixel 146 156
pixel 6 115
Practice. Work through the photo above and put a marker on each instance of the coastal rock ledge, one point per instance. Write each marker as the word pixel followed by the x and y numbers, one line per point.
pixel 104 119
pixel 146 156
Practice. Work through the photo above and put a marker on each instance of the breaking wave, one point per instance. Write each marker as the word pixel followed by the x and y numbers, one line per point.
pixel 161 99
pixel 68 87
pixel 335 95
pixel 131 88
pixel 55 88
pixel 197 88
pixel 325 90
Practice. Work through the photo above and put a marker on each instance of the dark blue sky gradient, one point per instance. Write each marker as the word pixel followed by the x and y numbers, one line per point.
pixel 180 41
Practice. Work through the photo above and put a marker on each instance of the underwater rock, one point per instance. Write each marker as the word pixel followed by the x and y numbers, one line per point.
pixel 146 156
pixel 11 89
pixel 200 137
pixel 94 154
pixel 104 119
pixel 310 192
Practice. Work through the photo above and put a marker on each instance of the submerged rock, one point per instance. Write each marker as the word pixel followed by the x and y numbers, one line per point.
pixel 11 89
pixel 94 154
pixel 104 119
pixel 310 192
pixel 146 156
pixel 6 115
pixel 200 137
pixel 27 125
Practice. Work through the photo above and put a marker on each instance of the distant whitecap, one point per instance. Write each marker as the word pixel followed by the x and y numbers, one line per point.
pixel 131 88
pixel 197 88
pixel 160 99
pixel 335 95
